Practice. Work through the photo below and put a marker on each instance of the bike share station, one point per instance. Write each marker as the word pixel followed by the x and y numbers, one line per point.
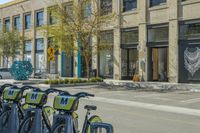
pixel 33 116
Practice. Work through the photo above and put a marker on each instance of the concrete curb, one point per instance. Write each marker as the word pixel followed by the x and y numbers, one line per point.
pixel 153 85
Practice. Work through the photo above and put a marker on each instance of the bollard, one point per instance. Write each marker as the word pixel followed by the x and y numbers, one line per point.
pixel 106 126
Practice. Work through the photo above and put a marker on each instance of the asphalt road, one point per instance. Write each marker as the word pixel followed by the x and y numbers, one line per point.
pixel 134 111
pixel 144 111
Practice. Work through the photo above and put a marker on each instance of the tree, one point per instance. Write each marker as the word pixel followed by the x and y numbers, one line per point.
pixel 77 22
pixel 10 43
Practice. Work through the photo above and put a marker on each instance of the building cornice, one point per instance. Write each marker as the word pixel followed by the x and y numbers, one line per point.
pixel 15 2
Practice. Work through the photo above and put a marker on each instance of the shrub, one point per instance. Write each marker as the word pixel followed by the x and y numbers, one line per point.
pixel 46 82
pixel 61 81
pixel 66 81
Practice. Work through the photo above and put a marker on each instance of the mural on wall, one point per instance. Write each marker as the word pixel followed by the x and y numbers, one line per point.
pixel 192 60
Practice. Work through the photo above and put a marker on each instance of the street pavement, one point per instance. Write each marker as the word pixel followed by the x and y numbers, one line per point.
pixel 136 111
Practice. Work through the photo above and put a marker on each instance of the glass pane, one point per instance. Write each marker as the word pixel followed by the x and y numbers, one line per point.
pixel 106 7
pixel 17 23
pixel 157 2
pixel 129 5
pixel 106 38
pixel 106 63
pixel 27 57
pixel 124 62
pixel 28 46
pixel 159 62
pixel 53 65
pixel 133 62
pixel 87 11
pixel 190 31
pixel 39 44
pixel 129 36
pixel 39 63
pixel 40 18
pixel 0 25
pixel 27 21
pixel 7 24
pixel 158 34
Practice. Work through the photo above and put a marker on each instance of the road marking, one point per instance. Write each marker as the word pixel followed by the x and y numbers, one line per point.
pixel 148 95
pixel 194 100
pixel 164 108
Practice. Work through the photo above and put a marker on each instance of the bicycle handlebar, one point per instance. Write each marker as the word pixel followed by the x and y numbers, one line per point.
pixel 30 87
pixel 79 95
pixel 4 86
pixel 52 90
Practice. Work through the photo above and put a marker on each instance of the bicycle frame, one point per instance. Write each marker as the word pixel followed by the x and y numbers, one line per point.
pixel 85 122
pixel 37 123
pixel 67 117
pixel 69 125
pixel 13 120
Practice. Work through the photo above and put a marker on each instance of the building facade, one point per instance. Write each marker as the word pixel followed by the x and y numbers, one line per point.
pixel 156 39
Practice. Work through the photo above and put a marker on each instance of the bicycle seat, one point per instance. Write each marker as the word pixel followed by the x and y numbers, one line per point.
pixel 90 107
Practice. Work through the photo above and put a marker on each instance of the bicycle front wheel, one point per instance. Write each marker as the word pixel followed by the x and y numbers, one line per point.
pixel 59 127
pixel 27 125
pixel 4 121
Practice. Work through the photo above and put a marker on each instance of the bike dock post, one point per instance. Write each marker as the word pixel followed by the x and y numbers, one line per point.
pixel 106 126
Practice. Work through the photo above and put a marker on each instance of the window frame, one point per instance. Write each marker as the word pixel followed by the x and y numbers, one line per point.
pixel 14 22
pixel 132 9
pixel 26 25
pixel 4 23
pixel 37 20
pixel 158 4
pixel 108 11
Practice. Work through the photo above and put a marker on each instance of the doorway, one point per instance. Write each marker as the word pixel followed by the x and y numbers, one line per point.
pixel 130 65
pixel 67 65
pixel 159 64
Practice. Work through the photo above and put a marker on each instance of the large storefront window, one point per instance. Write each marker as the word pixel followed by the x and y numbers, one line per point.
pixel 158 53
pixel 106 54
pixel 129 55
pixel 189 51
pixel 39 59
pixel 27 50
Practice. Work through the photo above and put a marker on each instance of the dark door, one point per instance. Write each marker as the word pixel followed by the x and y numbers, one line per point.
pixel 129 63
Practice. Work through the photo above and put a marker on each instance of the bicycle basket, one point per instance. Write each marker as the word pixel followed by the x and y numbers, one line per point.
pixel 67 103
pixel 12 94
pixel 36 98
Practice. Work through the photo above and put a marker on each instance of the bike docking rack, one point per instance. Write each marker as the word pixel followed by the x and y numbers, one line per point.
pixel 65 103
pixel 95 126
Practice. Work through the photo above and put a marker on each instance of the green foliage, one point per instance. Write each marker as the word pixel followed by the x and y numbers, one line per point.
pixel 10 43
pixel 73 81
pixel 73 23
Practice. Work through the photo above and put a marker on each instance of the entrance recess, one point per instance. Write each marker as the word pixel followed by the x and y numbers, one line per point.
pixel 159 64
pixel 129 63
pixel 67 65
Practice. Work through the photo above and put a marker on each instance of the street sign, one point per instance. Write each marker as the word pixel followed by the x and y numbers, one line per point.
pixel 51 54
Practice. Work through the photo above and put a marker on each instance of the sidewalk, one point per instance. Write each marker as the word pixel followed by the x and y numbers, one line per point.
pixel 152 85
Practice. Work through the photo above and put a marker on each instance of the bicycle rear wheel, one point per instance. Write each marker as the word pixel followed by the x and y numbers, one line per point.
pixel 93 119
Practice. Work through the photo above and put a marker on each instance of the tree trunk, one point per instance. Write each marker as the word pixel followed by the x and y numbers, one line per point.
pixel 87 67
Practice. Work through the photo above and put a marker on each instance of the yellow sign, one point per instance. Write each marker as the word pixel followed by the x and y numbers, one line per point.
pixel 51 53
